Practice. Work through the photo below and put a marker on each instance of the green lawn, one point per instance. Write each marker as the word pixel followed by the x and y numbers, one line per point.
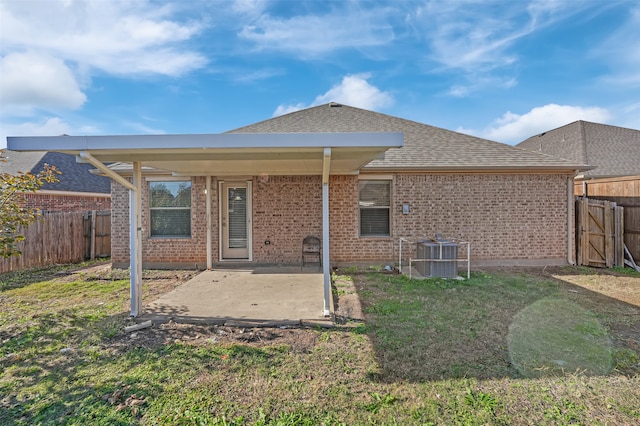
pixel 501 348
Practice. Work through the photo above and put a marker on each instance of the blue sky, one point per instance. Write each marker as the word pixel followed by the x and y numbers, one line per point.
pixel 503 70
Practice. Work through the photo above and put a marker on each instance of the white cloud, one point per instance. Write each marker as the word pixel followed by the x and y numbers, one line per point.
pixel 312 35
pixel 461 91
pixel 144 129
pixel 514 128
pixel 51 49
pixel 30 79
pixel 53 126
pixel 476 36
pixel 286 109
pixel 628 116
pixel 622 51
pixel 251 76
pixel 249 7
pixel 354 90
pixel 110 36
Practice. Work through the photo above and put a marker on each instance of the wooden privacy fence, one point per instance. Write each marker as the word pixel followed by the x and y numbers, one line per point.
pixel 62 237
pixel 599 233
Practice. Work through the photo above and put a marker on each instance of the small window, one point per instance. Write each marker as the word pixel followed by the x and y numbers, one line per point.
pixel 170 208
pixel 375 208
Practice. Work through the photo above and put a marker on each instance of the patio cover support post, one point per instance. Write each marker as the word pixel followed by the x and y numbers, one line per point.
pixel 207 194
pixel 326 265
pixel 135 245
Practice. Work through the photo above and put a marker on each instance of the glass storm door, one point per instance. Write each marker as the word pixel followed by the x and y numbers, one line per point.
pixel 236 220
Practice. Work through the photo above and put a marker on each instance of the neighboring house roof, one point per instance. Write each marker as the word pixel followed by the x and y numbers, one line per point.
pixel 614 151
pixel 425 147
pixel 74 177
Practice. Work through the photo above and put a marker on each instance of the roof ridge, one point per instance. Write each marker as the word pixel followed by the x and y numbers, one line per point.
pixel 544 154
pixel 426 146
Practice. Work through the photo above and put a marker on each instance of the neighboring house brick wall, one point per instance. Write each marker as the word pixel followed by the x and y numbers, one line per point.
pixel 504 216
pixel 65 203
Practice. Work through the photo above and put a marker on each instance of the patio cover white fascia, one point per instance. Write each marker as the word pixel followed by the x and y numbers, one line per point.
pixel 227 154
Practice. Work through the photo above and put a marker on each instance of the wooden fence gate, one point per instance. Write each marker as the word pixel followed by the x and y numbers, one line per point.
pixel 599 233
pixel 97 234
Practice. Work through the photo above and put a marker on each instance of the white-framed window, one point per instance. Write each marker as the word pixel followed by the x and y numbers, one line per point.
pixel 170 208
pixel 375 208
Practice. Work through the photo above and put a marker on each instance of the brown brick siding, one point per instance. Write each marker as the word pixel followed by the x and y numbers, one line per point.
pixel 190 250
pixel 285 210
pixel 344 233
pixel 504 216
pixel 65 203
pixel 119 224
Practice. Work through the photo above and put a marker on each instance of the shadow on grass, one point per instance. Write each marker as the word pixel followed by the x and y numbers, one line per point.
pixel 19 279
pixel 443 329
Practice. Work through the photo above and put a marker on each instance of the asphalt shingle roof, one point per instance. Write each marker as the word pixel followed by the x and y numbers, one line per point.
pixel 614 151
pixel 425 147
pixel 75 177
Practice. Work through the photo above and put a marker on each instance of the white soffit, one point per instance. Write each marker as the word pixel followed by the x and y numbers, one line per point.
pixel 228 153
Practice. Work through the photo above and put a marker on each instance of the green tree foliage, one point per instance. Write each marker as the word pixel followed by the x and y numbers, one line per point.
pixel 14 217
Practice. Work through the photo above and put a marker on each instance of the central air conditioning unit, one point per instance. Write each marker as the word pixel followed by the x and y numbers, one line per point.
pixel 438 258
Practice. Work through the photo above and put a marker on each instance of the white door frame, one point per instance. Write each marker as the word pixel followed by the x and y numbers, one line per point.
pixel 222 185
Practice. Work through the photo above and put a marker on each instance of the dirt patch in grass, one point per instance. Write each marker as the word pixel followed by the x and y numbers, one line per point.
pixel 157 282
pixel 616 283
pixel 299 340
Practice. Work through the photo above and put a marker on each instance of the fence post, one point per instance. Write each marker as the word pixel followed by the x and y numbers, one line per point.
pixel 608 234
pixel 93 235
pixel 619 237
pixel 583 232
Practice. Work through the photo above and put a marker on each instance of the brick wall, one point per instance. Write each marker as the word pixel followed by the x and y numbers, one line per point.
pixel 504 216
pixel 191 251
pixel 65 203
pixel 119 224
pixel 285 210
pixel 344 232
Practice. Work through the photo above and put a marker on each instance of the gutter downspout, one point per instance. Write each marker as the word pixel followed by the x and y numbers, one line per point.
pixel 326 263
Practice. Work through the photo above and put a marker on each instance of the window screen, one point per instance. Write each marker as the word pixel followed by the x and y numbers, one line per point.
pixel 170 208
pixel 375 207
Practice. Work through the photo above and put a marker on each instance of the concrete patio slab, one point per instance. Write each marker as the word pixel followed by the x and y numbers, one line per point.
pixel 248 297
